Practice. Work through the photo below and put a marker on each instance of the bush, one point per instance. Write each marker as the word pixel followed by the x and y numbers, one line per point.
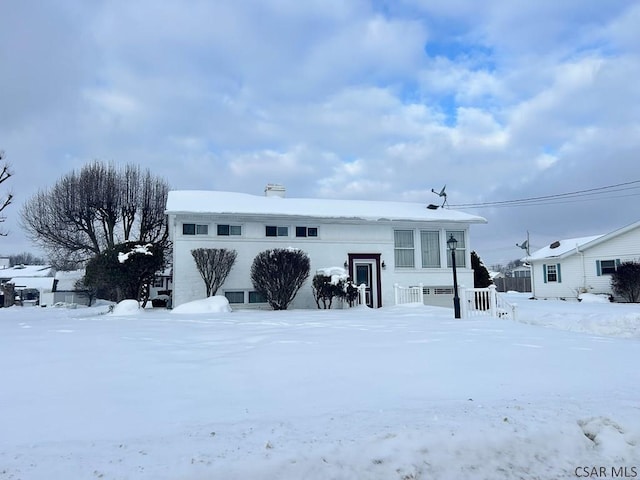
pixel 325 290
pixel 214 265
pixel 625 281
pixel 350 293
pixel 278 274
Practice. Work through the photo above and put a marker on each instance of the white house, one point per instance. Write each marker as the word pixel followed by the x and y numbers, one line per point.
pixel 379 243
pixel 29 282
pixel 566 268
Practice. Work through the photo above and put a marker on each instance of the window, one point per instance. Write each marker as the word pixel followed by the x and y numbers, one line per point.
pixel 522 273
pixel 273 231
pixel 256 297
pixel 306 231
pixel 235 297
pixel 158 282
pixel 461 248
pixel 226 230
pixel 430 243
pixel 551 273
pixel 194 229
pixel 403 248
pixel 607 267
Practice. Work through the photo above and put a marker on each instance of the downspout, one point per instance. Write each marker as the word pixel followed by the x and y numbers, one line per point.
pixel 584 273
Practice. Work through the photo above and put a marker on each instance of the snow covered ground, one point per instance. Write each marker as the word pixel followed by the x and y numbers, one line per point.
pixel 396 393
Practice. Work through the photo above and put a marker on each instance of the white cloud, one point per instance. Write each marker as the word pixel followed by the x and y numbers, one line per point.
pixel 329 97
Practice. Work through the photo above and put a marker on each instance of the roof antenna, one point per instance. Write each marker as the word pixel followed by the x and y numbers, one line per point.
pixel 525 245
pixel 442 194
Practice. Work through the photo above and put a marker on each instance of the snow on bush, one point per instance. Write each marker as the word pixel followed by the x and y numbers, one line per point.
pixel 335 273
pixel 593 298
pixel 127 307
pixel 215 304
pixel 143 249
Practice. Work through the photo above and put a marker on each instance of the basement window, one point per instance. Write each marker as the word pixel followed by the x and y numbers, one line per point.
pixel 235 296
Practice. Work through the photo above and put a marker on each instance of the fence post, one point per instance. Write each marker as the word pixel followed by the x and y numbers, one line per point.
pixel 464 298
pixel 395 292
pixel 363 295
pixel 493 301
pixel 421 295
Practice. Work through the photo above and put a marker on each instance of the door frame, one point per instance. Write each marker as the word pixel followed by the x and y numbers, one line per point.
pixel 376 284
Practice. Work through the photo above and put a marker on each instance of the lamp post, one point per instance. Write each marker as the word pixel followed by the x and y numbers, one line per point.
pixel 452 243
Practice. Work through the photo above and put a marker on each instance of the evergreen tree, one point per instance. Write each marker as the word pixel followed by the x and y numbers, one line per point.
pixel 124 271
pixel 481 277
pixel 625 281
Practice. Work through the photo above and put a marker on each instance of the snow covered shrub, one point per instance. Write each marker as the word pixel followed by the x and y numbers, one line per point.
pixel 625 281
pixel 325 289
pixel 278 274
pixel 350 293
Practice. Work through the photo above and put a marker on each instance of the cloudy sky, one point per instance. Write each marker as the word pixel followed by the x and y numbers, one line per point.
pixel 362 99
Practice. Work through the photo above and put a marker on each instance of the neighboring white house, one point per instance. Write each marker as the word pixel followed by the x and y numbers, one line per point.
pixel 378 243
pixel 29 281
pixel 569 267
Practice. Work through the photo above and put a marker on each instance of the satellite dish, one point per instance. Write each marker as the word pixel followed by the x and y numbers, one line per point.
pixel 441 194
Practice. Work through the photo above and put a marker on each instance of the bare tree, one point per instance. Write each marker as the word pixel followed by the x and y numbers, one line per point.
pixel 92 210
pixel 214 264
pixel 5 174
pixel 26 258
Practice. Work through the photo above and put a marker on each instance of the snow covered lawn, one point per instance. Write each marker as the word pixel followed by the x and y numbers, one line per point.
pixel 395 393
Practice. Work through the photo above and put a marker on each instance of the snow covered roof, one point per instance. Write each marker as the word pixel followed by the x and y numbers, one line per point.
pixel 197 201
pixel 26 271
pixel 39 283
pixel 568 246
pixel 559 248
pixel 67 279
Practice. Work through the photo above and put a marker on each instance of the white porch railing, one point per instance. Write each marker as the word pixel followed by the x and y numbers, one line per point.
pixel 408 294
pixel 477 302
pixel 362 294
pixel 474 302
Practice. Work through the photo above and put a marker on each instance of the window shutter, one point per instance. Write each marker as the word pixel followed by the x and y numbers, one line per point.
pixel 617 263
pixel 598 268
pixel 544 272
pixel 558 269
